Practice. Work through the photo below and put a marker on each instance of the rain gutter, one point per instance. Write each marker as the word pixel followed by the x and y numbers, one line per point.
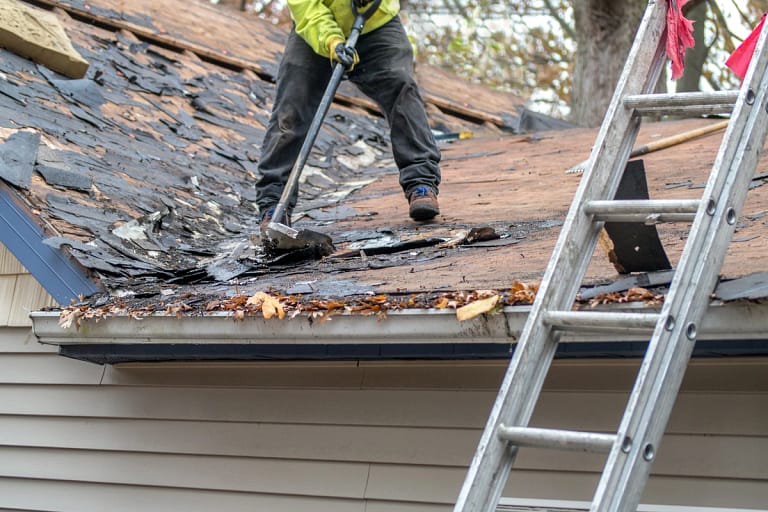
pixel 739 328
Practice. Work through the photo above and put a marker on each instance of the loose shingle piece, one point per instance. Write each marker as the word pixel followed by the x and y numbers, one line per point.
pixel 60 168
pixel 17 158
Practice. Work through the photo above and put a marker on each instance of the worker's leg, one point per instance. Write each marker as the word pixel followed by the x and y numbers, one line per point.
pixel 385 74
pixel 301 82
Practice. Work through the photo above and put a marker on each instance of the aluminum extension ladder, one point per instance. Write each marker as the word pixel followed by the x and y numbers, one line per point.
pixel 633 448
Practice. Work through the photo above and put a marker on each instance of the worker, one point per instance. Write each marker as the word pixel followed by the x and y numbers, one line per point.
pixel 380 65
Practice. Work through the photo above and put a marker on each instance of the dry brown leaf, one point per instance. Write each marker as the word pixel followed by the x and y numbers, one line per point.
pixel 69 317
pixel 636 294
pixel 238 315
pixel 441 303
pixel 457 237
pixel 477 308
pixel 269 305
pixel 518 286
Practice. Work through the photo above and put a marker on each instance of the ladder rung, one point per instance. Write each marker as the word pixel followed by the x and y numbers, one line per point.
pixel 560 439
pixel 683 102
pixel 593 321
pixel 643 210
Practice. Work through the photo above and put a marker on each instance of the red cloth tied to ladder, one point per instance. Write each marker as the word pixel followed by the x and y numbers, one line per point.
pixel 741 56
pixel 679 36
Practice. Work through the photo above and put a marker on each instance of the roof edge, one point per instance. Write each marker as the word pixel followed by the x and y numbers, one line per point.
pixel 61 277
pixel 740 321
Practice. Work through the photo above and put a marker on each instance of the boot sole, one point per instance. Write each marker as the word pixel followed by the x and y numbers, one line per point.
pixel 424 213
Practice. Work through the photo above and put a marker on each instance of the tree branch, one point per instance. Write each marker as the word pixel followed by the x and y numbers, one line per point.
pixel 727 34
pixel 568 29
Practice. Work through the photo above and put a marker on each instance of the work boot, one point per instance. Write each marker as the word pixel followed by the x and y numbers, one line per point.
pixel 422 203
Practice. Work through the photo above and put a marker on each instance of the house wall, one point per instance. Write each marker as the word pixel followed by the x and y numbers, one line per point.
pixel 374 436
pixel 20 293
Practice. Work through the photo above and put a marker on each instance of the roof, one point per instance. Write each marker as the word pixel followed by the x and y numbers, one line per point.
pixel 145 169
pixel 144 175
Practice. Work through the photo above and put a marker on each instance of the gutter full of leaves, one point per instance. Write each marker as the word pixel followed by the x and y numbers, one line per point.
pixel 483 316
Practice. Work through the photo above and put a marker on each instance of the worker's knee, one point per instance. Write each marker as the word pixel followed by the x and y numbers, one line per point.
pixel 294 119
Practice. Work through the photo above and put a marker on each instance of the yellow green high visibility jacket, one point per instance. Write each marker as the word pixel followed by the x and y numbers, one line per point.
pixel 320 21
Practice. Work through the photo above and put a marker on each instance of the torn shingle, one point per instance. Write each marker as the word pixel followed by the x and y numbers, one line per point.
pixel 84 91
pixel 65 169
pixel 62 177
pixel 753 286
pixel 17 156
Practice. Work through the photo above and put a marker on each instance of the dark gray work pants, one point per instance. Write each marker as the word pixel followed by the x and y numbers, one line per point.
pixel 385 74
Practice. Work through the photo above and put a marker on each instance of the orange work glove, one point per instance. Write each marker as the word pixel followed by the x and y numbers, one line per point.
pixel 340 52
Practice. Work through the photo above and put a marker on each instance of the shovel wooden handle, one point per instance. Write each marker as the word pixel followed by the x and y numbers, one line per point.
pixel 660 144
pixel 677 139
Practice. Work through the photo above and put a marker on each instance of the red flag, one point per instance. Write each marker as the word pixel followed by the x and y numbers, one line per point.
pixel 679 36
pixel 741 56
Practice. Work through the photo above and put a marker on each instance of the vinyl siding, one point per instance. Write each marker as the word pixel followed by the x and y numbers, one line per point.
pixel 376 436
pixel 20 292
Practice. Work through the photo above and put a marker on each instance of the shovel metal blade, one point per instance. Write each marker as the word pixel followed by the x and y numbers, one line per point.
pixel 285 238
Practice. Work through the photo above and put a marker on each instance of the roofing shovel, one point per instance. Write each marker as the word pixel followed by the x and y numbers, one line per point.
pixel 278 236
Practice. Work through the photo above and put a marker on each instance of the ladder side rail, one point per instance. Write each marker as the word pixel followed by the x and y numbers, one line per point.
pixel 663 368
pixel 578 237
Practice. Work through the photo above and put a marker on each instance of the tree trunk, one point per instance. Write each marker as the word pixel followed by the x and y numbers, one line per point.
pixel 695 57
pixel 605 30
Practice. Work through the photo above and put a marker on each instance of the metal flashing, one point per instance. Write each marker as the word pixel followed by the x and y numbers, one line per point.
pixel 55 272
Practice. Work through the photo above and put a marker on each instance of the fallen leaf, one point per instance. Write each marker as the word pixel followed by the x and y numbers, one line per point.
pixel 441 303
pixel 476 308
pixel 269 305
pixel 638 294
pixel 69 317
pixel 457 238
pixel 481 234
pixel 136 315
